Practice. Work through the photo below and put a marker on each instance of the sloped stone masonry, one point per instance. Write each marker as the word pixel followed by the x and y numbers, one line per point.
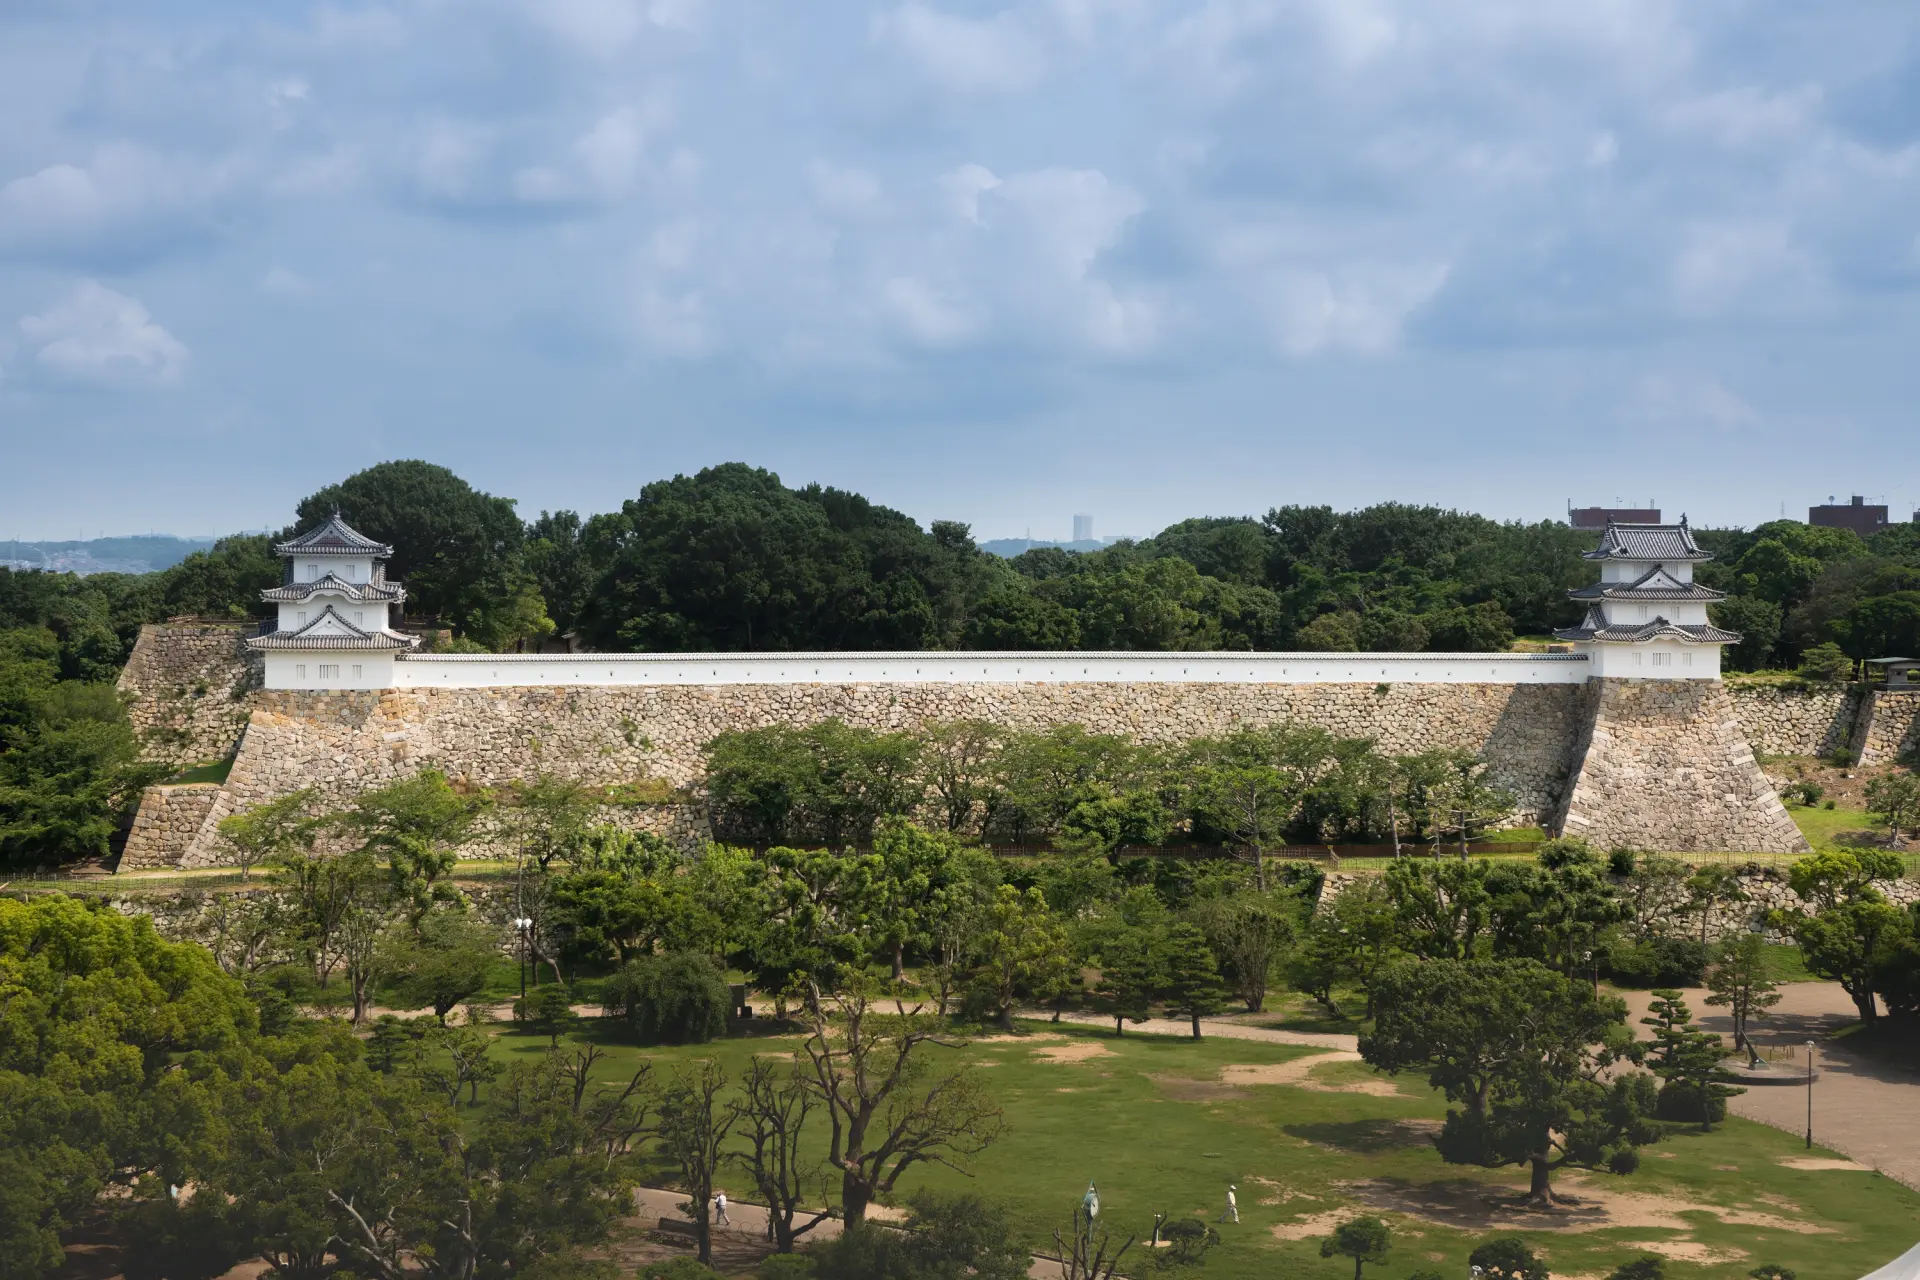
pixel 1663 764
pixel 1890 728
pixel 166 823
pixel 187 685
pixel 1795 719
pixel 343 743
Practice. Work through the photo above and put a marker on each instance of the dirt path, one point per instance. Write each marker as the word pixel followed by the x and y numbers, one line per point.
pixel 1863 1108
pixel 1210 1027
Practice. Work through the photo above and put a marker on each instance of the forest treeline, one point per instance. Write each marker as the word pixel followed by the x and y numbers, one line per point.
pixel 731 559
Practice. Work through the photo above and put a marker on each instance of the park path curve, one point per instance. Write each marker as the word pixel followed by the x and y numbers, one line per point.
pixel 1864 1108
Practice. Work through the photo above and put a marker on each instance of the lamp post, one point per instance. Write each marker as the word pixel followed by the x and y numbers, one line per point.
pixel 523 927
pixel 1809 1095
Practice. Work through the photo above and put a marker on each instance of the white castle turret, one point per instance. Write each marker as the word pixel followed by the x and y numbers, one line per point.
pixel 1647 617
pixel 336 613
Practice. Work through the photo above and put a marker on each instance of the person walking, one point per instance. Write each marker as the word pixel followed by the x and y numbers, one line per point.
pixel 720 1209
pixel 1233 1204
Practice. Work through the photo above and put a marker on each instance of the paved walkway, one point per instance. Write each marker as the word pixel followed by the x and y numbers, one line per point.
pixel 1863 1108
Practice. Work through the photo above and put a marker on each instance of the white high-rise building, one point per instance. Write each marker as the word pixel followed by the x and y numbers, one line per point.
pixel 1647 617
pixel 1083 528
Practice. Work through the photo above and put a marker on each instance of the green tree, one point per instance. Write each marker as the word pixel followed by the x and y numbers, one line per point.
pixel 827 782
pixel 771 1116
pixel 1191 978
pixel 70 771
pixel 1364 1239
pixel 445 963
pixel 1023 952
pixel 1739 983
pixel 1894 798
pixel 1835 877
pixel 1507 1258
pixel 273 830
pixel 418 825
pixel 1688 1059
pixel 1441 908
pixel 1525 1051
pixel 678 998
pixel 460 552
pixel 1759 623
pixel 694 1125
pixel 547 1009
pixel 1250 784
pixel 1131 970
pixel 887 1108
pixel 1825 663
pixel 1249 934
pixel 1882 627
pixel 1843 943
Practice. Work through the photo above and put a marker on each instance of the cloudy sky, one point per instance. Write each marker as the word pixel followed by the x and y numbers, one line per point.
pixel 992 262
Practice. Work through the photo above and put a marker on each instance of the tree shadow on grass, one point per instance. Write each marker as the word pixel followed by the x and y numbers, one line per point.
pixel 1367 1137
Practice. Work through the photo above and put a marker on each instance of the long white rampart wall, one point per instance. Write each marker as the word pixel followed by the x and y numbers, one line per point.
pixel 480 671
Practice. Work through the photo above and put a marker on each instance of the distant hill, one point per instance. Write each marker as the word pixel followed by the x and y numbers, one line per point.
pixel 144 554
pixel 1011 547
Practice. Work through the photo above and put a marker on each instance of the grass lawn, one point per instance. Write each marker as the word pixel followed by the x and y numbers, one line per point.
pixel 1820 826
pixel 215 772
pixel 1151 1120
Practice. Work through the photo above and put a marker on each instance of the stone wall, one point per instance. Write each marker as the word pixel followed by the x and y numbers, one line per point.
pixel 168 820
pixel 1662 764
pixel 1795 719
pixel 1889 729
pixel 343 743
pixel 188 684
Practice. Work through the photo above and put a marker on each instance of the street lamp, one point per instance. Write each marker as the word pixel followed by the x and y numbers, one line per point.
pixel 523 927
pixel 1809 1095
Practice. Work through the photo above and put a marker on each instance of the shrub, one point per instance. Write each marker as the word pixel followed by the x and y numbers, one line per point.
pixel 1508 1258
pixel 1769 1271
pixel 1565 852
pixel 680 998
pixel 1807 793
pixel 1188 1240
pixel 1646 1267
pixel 1623 1161
pixel 678 1269
pixel 1684 1100
pixel 785 1266
pixel 546 1009
pixel 1825 663
pixel 1659 962
pixel 1620 861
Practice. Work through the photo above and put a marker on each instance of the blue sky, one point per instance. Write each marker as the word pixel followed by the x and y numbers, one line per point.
pixel 989 262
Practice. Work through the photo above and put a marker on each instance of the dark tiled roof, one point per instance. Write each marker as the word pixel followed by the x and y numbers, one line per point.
pixel 333 538
pixel 340 634
pixel 1648 542
pixel 1596 627
pixel 1655 584
pixel 294 592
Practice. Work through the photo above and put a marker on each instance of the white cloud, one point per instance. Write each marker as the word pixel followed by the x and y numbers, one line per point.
pixel 1360 310
pixel 1689 401
pixel 99 336
pixel 999 54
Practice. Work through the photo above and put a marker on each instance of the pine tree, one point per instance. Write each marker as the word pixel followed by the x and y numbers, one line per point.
pixel 1129 973
pixel 1193 984
pixel 1688 1059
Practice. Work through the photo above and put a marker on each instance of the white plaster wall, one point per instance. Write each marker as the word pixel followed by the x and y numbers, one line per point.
pixel 1633 613
pixel 1677 661
pixel 301 670
pixel 367 615
pixel 1633 570
pixel 469 671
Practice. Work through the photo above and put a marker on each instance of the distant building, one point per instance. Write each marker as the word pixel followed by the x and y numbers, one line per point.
pixel 1600 517
pixel 1856 515
pixel 1083 528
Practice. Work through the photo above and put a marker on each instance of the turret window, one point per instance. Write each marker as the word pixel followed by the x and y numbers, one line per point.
pixel 329 671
